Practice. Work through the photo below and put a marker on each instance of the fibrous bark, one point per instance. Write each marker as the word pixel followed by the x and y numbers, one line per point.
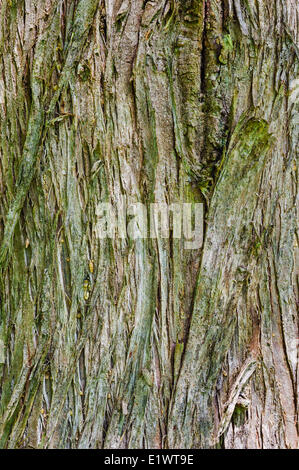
pixel 155 101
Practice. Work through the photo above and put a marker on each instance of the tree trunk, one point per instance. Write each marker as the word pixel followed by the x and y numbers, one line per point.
pixel 116 343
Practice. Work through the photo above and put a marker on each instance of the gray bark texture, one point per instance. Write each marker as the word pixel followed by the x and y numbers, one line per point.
pixel 158 101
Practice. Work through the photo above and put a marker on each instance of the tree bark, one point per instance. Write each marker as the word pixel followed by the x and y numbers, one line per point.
pixel 158 101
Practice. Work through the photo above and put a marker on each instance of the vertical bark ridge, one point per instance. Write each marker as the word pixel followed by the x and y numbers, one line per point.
pixel 120 343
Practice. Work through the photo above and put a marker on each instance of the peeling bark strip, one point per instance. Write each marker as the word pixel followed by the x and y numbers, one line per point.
pixel 243 377
pixel 114 343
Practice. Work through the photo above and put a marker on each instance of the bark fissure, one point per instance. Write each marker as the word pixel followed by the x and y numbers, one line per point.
pixel 126 343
